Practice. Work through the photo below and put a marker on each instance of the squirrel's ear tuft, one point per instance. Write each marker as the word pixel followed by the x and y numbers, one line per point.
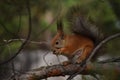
pixel 59 26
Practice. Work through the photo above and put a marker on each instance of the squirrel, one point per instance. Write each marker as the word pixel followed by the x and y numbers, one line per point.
pixel 85 36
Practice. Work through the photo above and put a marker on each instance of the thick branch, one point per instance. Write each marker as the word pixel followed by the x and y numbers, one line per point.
pixel 51 71
pixel 62 70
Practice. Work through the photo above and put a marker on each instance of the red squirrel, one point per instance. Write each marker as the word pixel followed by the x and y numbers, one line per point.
pixel 85 36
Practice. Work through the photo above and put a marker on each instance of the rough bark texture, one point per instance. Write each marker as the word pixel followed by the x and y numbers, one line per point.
pixel 62 70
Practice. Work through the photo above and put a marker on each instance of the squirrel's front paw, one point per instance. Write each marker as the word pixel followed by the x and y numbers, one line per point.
pixel 57 51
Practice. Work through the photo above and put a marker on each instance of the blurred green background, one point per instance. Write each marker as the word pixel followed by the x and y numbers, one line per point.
pixel 44 13
pixel 14 19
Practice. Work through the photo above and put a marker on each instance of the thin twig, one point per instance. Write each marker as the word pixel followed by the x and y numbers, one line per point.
pixel 12 65
pixel 101 44
pixel 33 42
pixel 110 60
pixel 28 36
pixel 45 59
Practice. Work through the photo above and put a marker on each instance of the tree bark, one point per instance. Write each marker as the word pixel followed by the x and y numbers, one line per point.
pixel 69 69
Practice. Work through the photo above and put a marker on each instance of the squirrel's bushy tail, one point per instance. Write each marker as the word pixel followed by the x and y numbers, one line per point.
pixel 79 24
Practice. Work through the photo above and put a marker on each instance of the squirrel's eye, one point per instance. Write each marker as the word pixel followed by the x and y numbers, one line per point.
pixel 57 43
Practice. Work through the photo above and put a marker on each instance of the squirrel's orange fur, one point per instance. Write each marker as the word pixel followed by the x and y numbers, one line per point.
pixel 73 43
pixel 84 37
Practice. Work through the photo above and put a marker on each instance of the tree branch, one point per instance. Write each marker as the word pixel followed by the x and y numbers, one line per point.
pixel 62 70
pixel 101 44
pixel 50 71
